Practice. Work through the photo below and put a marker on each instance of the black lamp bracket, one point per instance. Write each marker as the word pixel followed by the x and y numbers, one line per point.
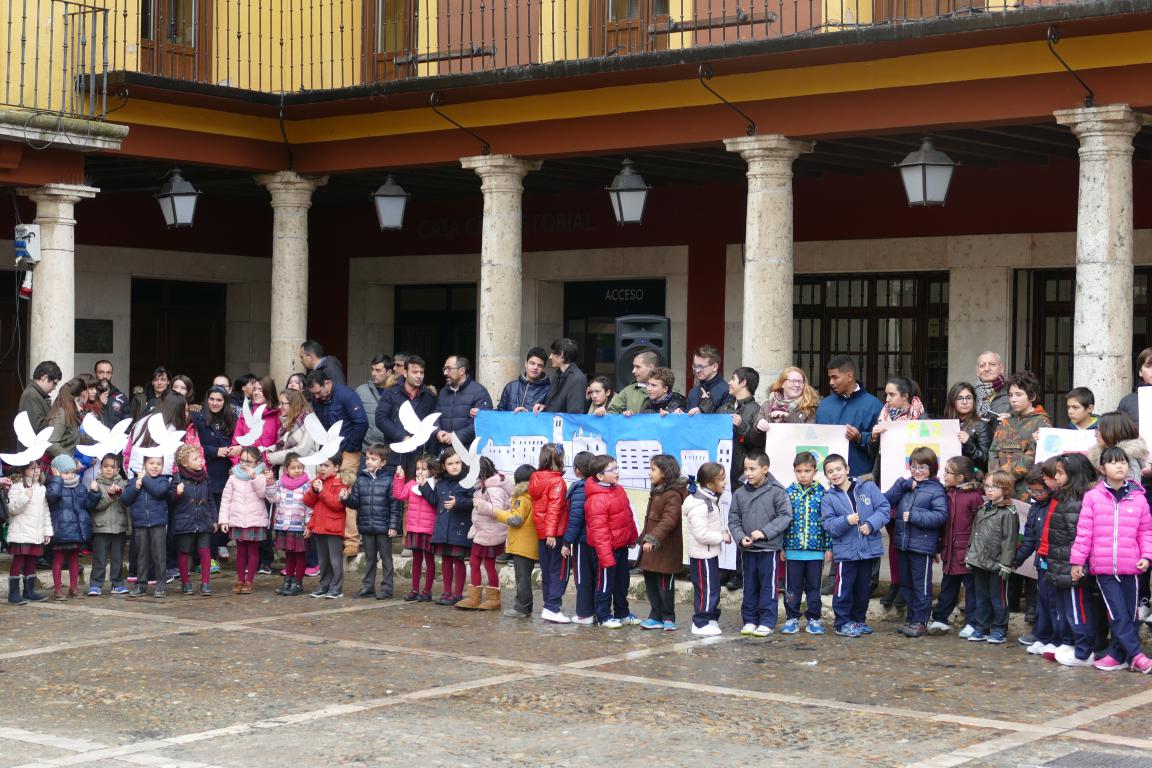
pixel 437 99
pixel 705 73
pixel 1053 39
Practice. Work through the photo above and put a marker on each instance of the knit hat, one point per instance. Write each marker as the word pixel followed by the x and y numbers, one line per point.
pixel 64 464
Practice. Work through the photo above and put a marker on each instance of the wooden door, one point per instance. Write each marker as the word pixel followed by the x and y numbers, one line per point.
pixel 15 368
pixel 389 32
pixel 175 38
pixel 179 325
pixel 629 26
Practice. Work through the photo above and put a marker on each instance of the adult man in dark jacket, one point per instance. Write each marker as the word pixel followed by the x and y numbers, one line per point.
pixel 711 391
pixel 313 358
pixel 569 390
pixel 458 403
pixel 410 389
pixel 852 407
pixel 37 396
pixel 116 409
pixel 531 388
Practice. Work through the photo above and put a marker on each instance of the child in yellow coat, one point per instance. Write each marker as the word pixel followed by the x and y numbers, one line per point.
pixel 522 542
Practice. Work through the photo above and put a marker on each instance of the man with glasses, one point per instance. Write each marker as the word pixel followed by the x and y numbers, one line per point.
pixel 37 396
pixel 711 391
pixel 458 403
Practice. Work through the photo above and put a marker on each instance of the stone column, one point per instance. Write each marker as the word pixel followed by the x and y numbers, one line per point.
pixel 1102 334
pixel 768 264
pixel 291 198
pixel 52 335
pixel 501 271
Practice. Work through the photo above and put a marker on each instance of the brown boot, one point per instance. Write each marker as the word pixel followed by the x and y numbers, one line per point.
pixel 58 595
pixel 238 588
pixel 247 588
pixel 491 599
pixel 472 601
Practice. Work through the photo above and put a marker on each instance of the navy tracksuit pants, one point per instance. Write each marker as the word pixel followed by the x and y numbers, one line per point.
pixel 553 576
pixel 991 601
pixel 802 577
pixel 705 573
pixel 916 584
pixel 1077 625
pixel 610 586
pixel 851 590
pixel 1047 627
pixel 760 604
pixel 949 597
pixel 584 567
pixel 1121 599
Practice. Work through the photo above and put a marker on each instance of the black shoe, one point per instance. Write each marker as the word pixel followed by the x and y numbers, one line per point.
pixel 138 591
pixel 30 593
pixel 890 597
pixel 366 592
pixel 205 590
pixel 504 558
pixel 43 563
pixel 735 583
pixel 283 588
pixel 384 596
pixel 264 570
pixel 160 594
pixel 899 602
pixel 411 597
pixel 294 589
pixel 186 588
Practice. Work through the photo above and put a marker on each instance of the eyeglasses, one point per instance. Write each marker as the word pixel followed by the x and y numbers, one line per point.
pixel 964 399
pixel 452 368
pixel 610 471
pixel 696 367
pixel 918 468
pixel 950 472
pixel 795 381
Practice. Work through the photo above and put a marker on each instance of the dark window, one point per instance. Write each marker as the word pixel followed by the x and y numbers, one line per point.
pixel 435 321
pixel 891 324
pixel 590 312
pixel 179 325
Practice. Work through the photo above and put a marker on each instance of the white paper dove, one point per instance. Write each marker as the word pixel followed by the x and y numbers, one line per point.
pixel 419 430
pixel 166 441
pixel 35 443
pixel 469 457
pixel 254 420
pixel 107 440
pixel 327 441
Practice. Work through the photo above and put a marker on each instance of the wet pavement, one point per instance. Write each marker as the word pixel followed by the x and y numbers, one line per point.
pixel 261 680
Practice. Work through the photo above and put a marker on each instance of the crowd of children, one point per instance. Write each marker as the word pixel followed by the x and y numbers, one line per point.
pixel 1089 533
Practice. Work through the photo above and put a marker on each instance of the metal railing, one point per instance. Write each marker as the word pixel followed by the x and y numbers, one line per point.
pixel 285 46
pixel 57 57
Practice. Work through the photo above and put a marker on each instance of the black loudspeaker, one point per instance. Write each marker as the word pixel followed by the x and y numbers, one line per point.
pixel 640 333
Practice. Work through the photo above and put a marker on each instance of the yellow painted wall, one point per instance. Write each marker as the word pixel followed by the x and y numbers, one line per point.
pixel 563 29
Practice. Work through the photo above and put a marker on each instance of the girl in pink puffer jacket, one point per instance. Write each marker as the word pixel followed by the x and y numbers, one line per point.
pixel 418 524
pixel 1114 538
pixel 488 535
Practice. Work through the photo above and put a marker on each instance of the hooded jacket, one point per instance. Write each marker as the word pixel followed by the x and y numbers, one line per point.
pixel 663 529
pixel 328 515
pixel 549 503
pixel 1062 524
pixel 848 542
pixel 71 521
pixel 963 502
pixel 387 416
pixel 495 494
pixel 1136 450
pixel 524 392
pixel 608 516
pixel 1013 448
pixel 806 532
pixel 717 389
pixel 289 512
pixel 765 509
pixel 194 511
pixel 994 532
pixel 576 530
pixel 109 515
pixel 242 505
pixel 927 508
pixel 705 530
pixel 377 511
pixel 452 525
pixel 344 405
pixel 522 539
pixel 148 504
pixel 1112 535
pixel 29 519
pixel 455 406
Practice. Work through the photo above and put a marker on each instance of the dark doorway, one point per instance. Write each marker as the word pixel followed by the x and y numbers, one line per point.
pixel 435 321
pixel 14 366
pixel 590 312
pixel 178 325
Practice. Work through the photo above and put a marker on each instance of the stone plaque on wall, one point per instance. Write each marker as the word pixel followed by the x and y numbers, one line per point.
pixel 93 336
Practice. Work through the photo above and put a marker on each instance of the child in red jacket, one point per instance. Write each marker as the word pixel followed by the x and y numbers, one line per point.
pixel 550 509
pixel 611 531
pixel 326 498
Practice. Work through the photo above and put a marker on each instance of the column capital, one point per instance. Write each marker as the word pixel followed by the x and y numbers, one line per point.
pixel 492 165
pixel 289 189
pixel 769 147
pixel 1113 123
pixel 59 193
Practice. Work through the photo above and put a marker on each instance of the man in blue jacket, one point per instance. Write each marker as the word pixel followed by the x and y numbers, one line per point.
pixel 852 407
pixel 410 388
pixel 711 390
pixel 459 402
pixel 530 388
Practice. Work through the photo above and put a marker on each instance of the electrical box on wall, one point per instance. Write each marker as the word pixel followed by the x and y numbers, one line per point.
pixel 27 243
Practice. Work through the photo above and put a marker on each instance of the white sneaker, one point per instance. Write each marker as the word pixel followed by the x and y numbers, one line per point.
pixel 1145 611
pixel 761 631
pixel 938 628
pixel 748 629
pixel 708 630
pixel 966 632
pixel 612 624
pixel 1047 649
pixel 1067 657
pixel 556 617
pixel 1036 649
pixel 585 620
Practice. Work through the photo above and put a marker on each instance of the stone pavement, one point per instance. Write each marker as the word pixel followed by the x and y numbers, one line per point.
pixel 260 680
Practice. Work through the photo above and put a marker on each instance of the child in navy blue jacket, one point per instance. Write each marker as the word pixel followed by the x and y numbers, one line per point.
pixel 378 520
pixel 147 502
pixel 69 503
pixel 1044 631
pixel 194 517
pixel 585 563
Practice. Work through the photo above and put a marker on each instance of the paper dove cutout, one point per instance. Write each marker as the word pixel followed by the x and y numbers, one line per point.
pixel 418 430
pixel 469 457
pixel 327 442
pixel 254 420
pixel 35 443
pixel 107 440
pixel 166 441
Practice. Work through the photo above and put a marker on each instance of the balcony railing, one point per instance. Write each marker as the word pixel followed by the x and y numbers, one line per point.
pixel 278 46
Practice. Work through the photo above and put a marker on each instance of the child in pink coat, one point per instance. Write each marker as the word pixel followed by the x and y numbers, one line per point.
pixel 488 535
pixel 1114 538
pixel 242 512
pixel 418 524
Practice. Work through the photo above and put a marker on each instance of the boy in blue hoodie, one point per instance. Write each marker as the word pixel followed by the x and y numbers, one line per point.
pixel 806 547
pixel 854 513
pixel 585 562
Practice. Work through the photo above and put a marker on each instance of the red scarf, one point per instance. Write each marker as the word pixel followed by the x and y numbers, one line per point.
pixel 1043 548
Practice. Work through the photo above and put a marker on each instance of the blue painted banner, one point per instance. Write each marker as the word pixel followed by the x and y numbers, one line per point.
pixel 512 439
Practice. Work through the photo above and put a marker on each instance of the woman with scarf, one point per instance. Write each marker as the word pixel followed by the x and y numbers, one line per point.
pixel 293 437
pixel 901 403
pixel 790 401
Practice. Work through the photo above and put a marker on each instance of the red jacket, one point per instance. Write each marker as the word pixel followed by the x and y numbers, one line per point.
pixel 608 517
pixel 963 503
pixel 327 508
pixel 549 503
